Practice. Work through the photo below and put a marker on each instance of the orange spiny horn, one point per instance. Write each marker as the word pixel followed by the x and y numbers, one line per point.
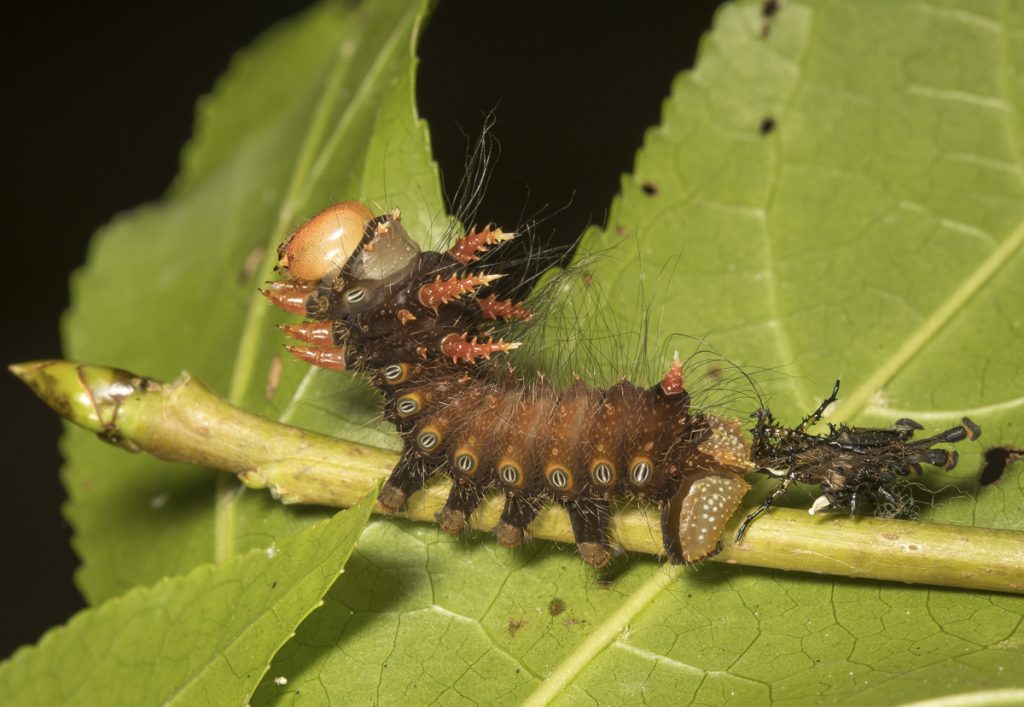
pixel 672 383
pixel 329 357
pixel 440 292
pixel 289 296
pixel 494 308
pixel 470 246
pixel 318 333
pixel 456 347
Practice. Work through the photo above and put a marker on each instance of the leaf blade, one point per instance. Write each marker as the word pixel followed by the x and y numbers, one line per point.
pixel 281 136
pixel 206 637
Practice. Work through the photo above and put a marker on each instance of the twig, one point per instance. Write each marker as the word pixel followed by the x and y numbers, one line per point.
pixel 185 421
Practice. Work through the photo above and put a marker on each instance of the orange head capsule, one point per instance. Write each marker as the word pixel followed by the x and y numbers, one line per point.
pixel 319 248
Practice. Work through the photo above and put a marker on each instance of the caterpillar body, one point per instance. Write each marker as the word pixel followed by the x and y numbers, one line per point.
pixel 422 326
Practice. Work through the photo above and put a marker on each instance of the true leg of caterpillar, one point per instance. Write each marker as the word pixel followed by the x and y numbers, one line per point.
pixel 517 514
pixel 463 499
pixel 589 518
pixel 409 475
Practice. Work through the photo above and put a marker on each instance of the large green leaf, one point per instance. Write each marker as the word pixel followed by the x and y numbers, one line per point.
pixel 320 109
pixel 874 233
pixel 203 638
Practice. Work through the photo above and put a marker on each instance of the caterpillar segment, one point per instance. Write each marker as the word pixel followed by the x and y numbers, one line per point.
pixel 423 325
pixel 575 447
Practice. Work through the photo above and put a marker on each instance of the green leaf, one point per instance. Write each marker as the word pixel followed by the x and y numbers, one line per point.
pixel 320 108
pixel 874 234
pixel 203 638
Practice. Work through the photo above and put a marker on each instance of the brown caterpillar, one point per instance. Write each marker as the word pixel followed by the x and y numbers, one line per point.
pixel 418 322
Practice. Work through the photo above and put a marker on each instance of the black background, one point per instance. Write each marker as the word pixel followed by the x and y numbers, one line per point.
pixel 98 100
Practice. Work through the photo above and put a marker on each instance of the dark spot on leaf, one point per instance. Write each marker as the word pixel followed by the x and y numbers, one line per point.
pixel 273 585
pixel 996 461
pixel 587 278
pixel 715 373
pixel 514 625
pixel 621 230
pixel 556 607
pixel 649 188
pixel 767 125
pixel 769 8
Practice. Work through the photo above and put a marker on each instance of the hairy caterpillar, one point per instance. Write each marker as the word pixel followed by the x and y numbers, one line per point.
pixel 422 325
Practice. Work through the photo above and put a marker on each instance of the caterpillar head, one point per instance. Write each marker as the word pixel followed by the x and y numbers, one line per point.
pixel 347 238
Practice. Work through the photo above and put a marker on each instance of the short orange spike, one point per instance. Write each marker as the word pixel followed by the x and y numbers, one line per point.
pixel 329 357
pixel 440 292
pixel 458 348
pixel 494 308
pixel 289 295
pixel 468 248
pixel 319 333
pixel 672 383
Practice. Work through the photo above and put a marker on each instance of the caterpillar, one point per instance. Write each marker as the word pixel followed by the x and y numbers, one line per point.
pixel 428 331
pixel 420 324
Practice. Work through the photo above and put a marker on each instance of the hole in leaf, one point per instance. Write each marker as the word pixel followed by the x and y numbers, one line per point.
pixel 996 461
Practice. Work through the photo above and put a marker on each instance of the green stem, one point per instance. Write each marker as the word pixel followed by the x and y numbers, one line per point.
pixel 185 421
